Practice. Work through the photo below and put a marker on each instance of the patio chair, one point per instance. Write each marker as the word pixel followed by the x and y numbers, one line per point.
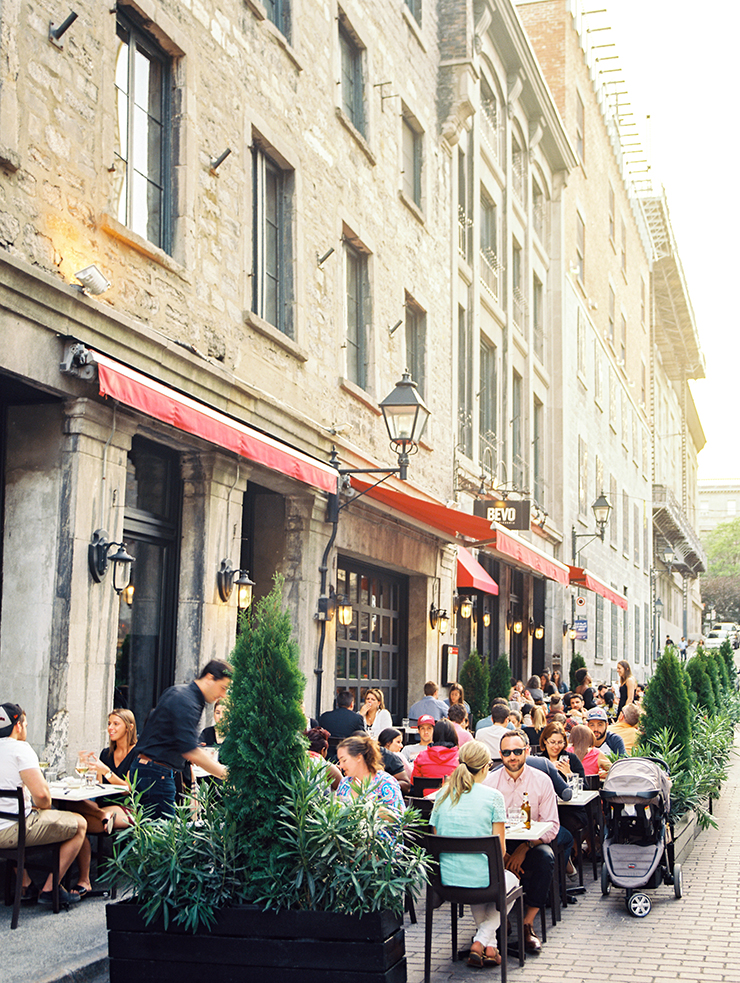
pixel 18 856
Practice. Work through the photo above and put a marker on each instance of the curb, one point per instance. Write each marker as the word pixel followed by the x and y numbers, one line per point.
pixel 86 969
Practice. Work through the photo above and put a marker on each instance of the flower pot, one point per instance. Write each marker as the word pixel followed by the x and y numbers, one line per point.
pixel 686 831
pixel 245 942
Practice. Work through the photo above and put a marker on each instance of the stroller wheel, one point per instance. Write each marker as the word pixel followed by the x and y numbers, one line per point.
pixel 677 880
pixel 638 905
pixel 606 884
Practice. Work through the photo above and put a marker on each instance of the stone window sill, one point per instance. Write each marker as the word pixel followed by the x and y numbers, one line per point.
pixel 351 128
pixel 268 330
pixel 359 394
pixel 114 228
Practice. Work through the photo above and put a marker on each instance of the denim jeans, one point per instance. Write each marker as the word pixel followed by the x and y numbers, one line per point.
pixel 157 785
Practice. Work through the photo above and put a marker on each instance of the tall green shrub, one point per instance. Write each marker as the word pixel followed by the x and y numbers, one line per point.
pixel 728 654
pixel 576 663
pixel 667 705
pixel 710 667
pixel 500 683
pixel 700 684
pixel 475 679
pixel 724 679
pixel 264 700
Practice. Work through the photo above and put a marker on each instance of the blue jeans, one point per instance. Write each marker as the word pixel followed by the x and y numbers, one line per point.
pixel 157 785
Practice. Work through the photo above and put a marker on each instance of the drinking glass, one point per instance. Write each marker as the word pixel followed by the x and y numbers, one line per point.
pixel 81 766
pixel 514 816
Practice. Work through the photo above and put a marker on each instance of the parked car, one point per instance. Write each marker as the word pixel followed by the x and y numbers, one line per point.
pixel 714 638
pixel 733 632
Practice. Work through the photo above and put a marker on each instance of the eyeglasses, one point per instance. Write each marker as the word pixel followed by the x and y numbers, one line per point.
pixel 518 751
pixel 555 743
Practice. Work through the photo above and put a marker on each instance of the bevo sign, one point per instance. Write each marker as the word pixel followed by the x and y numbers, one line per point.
pixel 510 515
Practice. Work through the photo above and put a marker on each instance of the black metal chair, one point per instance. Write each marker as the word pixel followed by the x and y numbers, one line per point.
pixel 495 893
pixel 18 856
pixel 421 785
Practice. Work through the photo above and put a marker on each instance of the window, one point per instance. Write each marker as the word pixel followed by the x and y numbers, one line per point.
pixel 142 152
pixel 415 8
pixel 517 433
pixel 643 385
pixel 580 129
pixel 519 305
pixel 625 523
pixel 580 249
pixel 615 633
pixel 465 381
pixel 638 637
pixel 538 318
pixel 611 315
pixel 488 407
pixel 518 169
pixel 278 11
pixel 613 408
pixel 490 267
pixel 491 129
pixel 646 622
pixel 637 534
pixel 611 213
pixel 541 214
pixel 598 374
pixel 411 147
pixel 538 450
pixel 580 343
pixel 613 502
pixel 583 503
pixel 464 218
pixel 272 287
pixel 416 340
pixel 623 341
pixel 353 100
pixel 358 296
pixel 624 248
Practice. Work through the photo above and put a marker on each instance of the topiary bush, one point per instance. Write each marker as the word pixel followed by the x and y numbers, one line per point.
pixel 576 663
pixel 710 667
pixel 500 682
pixel 667 705
pixel 475 679
pixel 701 685
pixel 728 654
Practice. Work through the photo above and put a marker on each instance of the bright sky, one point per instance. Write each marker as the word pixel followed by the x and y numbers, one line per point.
pixel 680 68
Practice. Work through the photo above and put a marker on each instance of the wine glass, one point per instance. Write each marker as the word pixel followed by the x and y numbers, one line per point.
pixel 81 766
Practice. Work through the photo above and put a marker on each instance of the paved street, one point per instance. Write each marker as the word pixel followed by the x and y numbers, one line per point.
pixel 596 938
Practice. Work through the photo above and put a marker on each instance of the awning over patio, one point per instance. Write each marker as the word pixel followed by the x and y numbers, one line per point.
pixel 580 577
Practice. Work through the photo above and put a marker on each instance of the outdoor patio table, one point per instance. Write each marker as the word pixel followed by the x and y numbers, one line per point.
pixel 520 832
pixel 61 791
pixel 591 802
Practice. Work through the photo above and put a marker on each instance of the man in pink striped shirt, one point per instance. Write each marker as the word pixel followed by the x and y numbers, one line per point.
pixel 531 860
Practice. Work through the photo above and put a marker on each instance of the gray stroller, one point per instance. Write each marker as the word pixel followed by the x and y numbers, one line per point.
pixel 638 834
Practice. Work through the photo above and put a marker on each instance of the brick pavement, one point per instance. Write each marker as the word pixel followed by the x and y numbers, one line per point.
pixel 598 940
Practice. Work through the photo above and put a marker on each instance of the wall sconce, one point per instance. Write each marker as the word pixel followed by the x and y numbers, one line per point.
pixel 539 631
pixel 227 578
pixel 566 626
pixel 99 556
pixel 517 627
pixel 486 618
pixel 344 610
pixel 572 634
pixel 530 626
pixel 439 618
pixel 464 607
pixel 509 620
pixel 128 594
pixel 334 603
pixel 669 557
pixel 92 280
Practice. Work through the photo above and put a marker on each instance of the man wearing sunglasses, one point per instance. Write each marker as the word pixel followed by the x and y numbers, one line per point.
pixel 531 860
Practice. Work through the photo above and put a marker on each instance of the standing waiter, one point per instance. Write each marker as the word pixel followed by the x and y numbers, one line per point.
pixel 171 735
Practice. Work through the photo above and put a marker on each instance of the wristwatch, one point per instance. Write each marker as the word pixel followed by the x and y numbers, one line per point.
pixel 107 776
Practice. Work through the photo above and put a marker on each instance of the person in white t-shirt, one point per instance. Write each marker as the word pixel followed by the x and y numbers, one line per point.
pixel 19 765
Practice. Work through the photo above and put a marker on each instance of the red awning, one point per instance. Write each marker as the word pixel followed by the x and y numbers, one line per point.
pixel 584 578
pixel 166 404
pixel 462 525
pixel 471 575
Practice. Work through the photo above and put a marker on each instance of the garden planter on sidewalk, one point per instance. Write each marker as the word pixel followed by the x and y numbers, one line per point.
pixel 283 947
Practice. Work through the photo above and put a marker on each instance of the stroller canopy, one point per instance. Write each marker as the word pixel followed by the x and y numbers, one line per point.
pixel 638 781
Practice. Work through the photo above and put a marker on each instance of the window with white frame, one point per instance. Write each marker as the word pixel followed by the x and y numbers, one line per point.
pixel 357 313
pixel 412 156
pixel 143 163
pixel 538 318
pixel 490 266
pixel 488 407
pixel 538 450
pixel 520 308
pixel 415 7
pixel 580 343
pixel 416 341
pixel 491 129
pixel 518 168
pixel 465 380
pixel 272 266
pixel 580 249
pixel 518 463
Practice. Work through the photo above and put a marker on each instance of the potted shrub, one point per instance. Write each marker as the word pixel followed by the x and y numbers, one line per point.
pixel 500 683
pixel 474 677
pixel 279 877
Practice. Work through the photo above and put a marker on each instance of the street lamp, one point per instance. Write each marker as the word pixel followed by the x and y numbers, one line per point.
pixel 601 509
pixel 658 616
pixel 406 415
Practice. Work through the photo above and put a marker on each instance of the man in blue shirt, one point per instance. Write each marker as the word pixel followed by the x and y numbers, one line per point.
pixel 429 703
pixel 598 722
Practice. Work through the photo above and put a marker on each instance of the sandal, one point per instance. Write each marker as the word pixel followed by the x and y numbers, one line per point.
pixel 476 959
pixel 491 960
pixel 29 894
pixel 82 891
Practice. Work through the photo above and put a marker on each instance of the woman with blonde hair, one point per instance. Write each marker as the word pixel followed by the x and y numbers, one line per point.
pixel 627 687
pixel 465 807
pixel 539 718
pixel 582 744
pixel 374 713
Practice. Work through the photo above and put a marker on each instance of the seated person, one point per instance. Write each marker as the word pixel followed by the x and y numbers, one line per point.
pixel 391 743
pixel 598 722
pixel 429 705
pixel 576 713
pixel 553 743
pixel 584 689
pixel 627 726
pixel 212 736
pixel 112 767
pixel 360 760
pixel 488 721
pixel 491 736
pixel 514 720
pixel 456 695
pixel 342 722
pixel 318 746
pixel 19 765
pixel 556 706
pixel 441 757
pixel 426 732
pixel 458 717
pixel 374 713
pixel 582 744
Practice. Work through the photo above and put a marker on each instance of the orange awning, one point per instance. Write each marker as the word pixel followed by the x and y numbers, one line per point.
pixel 471 575
pixel 584 578
pixel 511 547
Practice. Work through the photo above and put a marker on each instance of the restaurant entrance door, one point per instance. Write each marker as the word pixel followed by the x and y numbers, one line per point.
pixel 372 650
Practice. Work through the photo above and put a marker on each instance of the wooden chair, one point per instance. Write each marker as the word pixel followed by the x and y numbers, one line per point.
pixel 17 856
pixel 495 893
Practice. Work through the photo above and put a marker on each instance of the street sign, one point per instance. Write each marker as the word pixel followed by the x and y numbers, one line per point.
pixel 581 601
pixel 581 627
pixel 510 515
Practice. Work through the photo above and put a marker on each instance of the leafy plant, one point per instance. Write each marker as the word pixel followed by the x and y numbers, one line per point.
pixel 337 856
pixel 500 681
pixel 576 663
pixel 667 705
pixel 475 679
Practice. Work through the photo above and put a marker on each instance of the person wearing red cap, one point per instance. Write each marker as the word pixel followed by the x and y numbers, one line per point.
pixel 426 732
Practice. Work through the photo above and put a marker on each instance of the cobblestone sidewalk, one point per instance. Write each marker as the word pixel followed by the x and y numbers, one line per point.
pixel 598 940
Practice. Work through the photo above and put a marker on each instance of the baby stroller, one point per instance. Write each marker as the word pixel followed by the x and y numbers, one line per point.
pixel 638 835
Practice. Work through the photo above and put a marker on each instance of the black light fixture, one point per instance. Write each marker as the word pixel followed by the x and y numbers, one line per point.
pixel 539 631
pixel 228 578
pixel 244 587
pixel 99 557
pixel 601 509
pixel 566 626
pixel 669 556
pixel 439 618
pixel 509 620
pixel 405 414
pixel 486 617
pixel 464 607
pixel 530 626
pixel 517 627
pixel 344 610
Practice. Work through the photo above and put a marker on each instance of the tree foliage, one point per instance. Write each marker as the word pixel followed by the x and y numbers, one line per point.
pixel 701 685
pixel 722 545
pixel 475 679
pixel 264 699
pixel 722 594
pixel 500 682
pixel 710 667
pixel 667 705
pixel 576 663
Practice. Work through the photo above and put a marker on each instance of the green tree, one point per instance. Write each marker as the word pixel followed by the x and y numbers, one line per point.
pixel 728 654
pixel 667 705
pixel 500 682
pixel 720 588
pixel 701 685
pixel 475 678
pixel 576 663
pixel 264 698
pixel 718 658
pixel 710 667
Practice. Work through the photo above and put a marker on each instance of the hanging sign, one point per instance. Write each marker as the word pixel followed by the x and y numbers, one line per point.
pixel 581 627
pixel 510 515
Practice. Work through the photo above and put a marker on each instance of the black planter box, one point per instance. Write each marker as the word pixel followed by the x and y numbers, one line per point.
pixel 288 946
